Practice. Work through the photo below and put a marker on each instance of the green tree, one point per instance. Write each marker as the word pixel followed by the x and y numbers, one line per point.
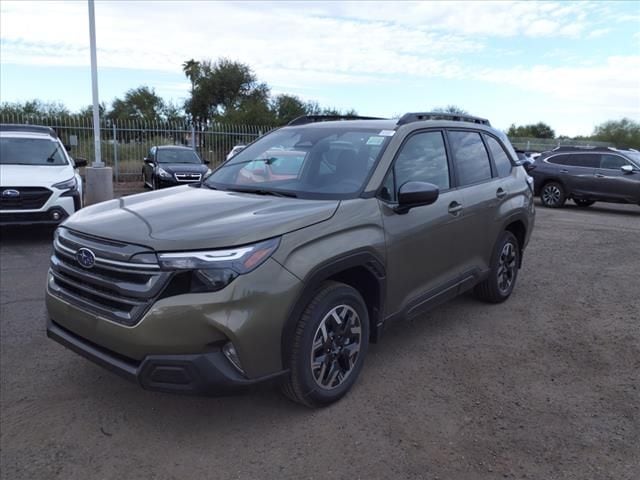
pixel 287 107
pixel 538 130
pixel 624 133
pixel 141 104
pixel 33 109
pixel 451 109
pixel 191 69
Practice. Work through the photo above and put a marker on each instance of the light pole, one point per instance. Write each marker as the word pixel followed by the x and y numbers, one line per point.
pixel 99 178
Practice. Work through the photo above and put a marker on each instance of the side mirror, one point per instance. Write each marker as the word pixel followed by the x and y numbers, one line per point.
pixel 148 160
pixel 626 169
pixel 80 162
pixel 67 147
pixel 206 162
pixel 416 194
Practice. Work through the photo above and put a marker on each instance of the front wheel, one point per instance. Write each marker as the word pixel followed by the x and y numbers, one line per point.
pixel 504 271
pixel 552 195
pixel 329 346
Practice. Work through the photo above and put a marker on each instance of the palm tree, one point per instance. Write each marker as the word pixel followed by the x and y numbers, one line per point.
pixel 191 69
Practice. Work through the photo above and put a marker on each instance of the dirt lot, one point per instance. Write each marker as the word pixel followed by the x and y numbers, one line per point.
pixel 545 386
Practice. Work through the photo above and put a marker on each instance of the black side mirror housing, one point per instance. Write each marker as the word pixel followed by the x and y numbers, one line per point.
pixel 80 162
pixel 148 160
pixel 206 162
pixel 67 147
pixel 416 194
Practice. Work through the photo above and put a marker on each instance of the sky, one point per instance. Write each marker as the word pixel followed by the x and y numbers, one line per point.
pixel 572 65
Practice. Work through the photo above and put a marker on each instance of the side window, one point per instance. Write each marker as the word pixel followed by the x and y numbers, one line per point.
pixel 586 160
pixel 470 157
pixel 423 158
pixel 613 162
pixel 500 157
pixel 560 159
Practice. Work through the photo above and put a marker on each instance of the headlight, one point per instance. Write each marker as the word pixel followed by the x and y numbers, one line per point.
pixel 213 270
pixel 163 173
pixel 71 184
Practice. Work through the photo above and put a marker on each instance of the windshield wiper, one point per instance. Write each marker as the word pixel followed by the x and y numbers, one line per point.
pixel 267 161
pixel 262 191
pixel 50 158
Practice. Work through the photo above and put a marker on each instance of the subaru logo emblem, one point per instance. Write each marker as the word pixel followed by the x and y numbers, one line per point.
pixel 10 193
pixel 86 257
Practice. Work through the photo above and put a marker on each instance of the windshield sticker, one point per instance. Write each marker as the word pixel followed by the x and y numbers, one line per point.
pixel 387 133
pixel 375 140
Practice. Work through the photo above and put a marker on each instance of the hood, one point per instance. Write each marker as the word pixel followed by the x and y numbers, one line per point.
pixel 184 167
pixel 34 175
pixel 188 218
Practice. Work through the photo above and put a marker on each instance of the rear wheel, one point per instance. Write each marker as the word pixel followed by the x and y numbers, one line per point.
pixel 583 203
pixel 552 195
pixel 329 346
pixel 504 271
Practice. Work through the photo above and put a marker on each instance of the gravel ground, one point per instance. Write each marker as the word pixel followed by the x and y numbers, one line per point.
pixel 544 386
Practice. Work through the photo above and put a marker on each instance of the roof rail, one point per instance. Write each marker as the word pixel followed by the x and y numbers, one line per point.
pixel 570 148
pixel 14 127
pixel 304 119
pixel 455 117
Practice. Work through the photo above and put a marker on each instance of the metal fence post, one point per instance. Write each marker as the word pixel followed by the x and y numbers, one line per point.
pixel 193 136
pixel 115 151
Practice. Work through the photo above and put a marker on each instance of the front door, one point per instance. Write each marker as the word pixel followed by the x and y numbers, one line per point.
pixel 422 244
pixel 614 184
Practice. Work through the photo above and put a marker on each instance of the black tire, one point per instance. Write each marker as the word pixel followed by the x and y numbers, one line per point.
pixel 583 203
pixel 302 384
pixel 552 195
pixel 505 262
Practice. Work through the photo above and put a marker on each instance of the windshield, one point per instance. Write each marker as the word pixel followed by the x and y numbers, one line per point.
pixel 31 151
pixel 306 161
pixel 177 156
pixel 634 157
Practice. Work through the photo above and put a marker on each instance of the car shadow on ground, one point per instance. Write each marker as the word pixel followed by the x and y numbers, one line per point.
pixel 622 209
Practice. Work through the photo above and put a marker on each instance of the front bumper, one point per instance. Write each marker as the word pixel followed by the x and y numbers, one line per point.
pixel 205 373
pixel 51 216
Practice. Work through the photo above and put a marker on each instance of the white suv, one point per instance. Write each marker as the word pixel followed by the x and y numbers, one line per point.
pixel 39 181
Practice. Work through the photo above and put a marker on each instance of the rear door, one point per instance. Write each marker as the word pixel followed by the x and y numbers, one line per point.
pixel 580 178
pixel 612 183
pixel 482 193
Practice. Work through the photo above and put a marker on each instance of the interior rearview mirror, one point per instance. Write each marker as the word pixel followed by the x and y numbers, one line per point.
pixel 626 168
pixel 416 194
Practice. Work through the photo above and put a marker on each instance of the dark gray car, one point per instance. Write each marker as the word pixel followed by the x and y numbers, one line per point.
pixel 262 272
pixel 586 176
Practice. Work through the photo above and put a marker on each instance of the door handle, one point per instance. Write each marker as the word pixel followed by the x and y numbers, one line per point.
pixel 564 171
pixel 501 193
pixel 455 208
pixel 599 175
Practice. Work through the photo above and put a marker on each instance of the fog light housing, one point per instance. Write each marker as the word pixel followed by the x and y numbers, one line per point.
pixel 232 355
pixel 55 215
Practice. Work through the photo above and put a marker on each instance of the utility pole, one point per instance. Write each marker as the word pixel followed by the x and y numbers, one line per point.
pixel 99 178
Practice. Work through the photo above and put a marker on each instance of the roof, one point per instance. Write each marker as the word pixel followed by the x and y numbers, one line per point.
pixel 173 147
pixel 33 129
pixel 382 124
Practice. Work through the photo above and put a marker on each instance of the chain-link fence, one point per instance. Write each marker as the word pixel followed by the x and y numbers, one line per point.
pixel 125 144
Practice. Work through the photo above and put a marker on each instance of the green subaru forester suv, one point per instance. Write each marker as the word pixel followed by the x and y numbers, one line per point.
pixel 290 258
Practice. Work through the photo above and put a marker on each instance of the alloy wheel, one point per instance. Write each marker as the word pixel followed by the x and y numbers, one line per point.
pixel 507 267
pixel 551 195
pixel 336 346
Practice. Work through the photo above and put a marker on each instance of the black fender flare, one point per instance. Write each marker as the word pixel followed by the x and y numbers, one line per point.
pixel 365 258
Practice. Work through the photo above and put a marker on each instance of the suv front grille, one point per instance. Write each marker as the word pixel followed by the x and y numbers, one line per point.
pixel 116 287
pixel 188 177
pixel 28 198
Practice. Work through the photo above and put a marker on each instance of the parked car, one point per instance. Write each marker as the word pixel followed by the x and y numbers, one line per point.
pixel 232 282
pixel 171 165
pixel 39 181
pixel 235 150
pixel 586 175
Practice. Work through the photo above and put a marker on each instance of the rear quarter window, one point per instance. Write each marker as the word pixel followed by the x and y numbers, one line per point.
pixel 500 157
